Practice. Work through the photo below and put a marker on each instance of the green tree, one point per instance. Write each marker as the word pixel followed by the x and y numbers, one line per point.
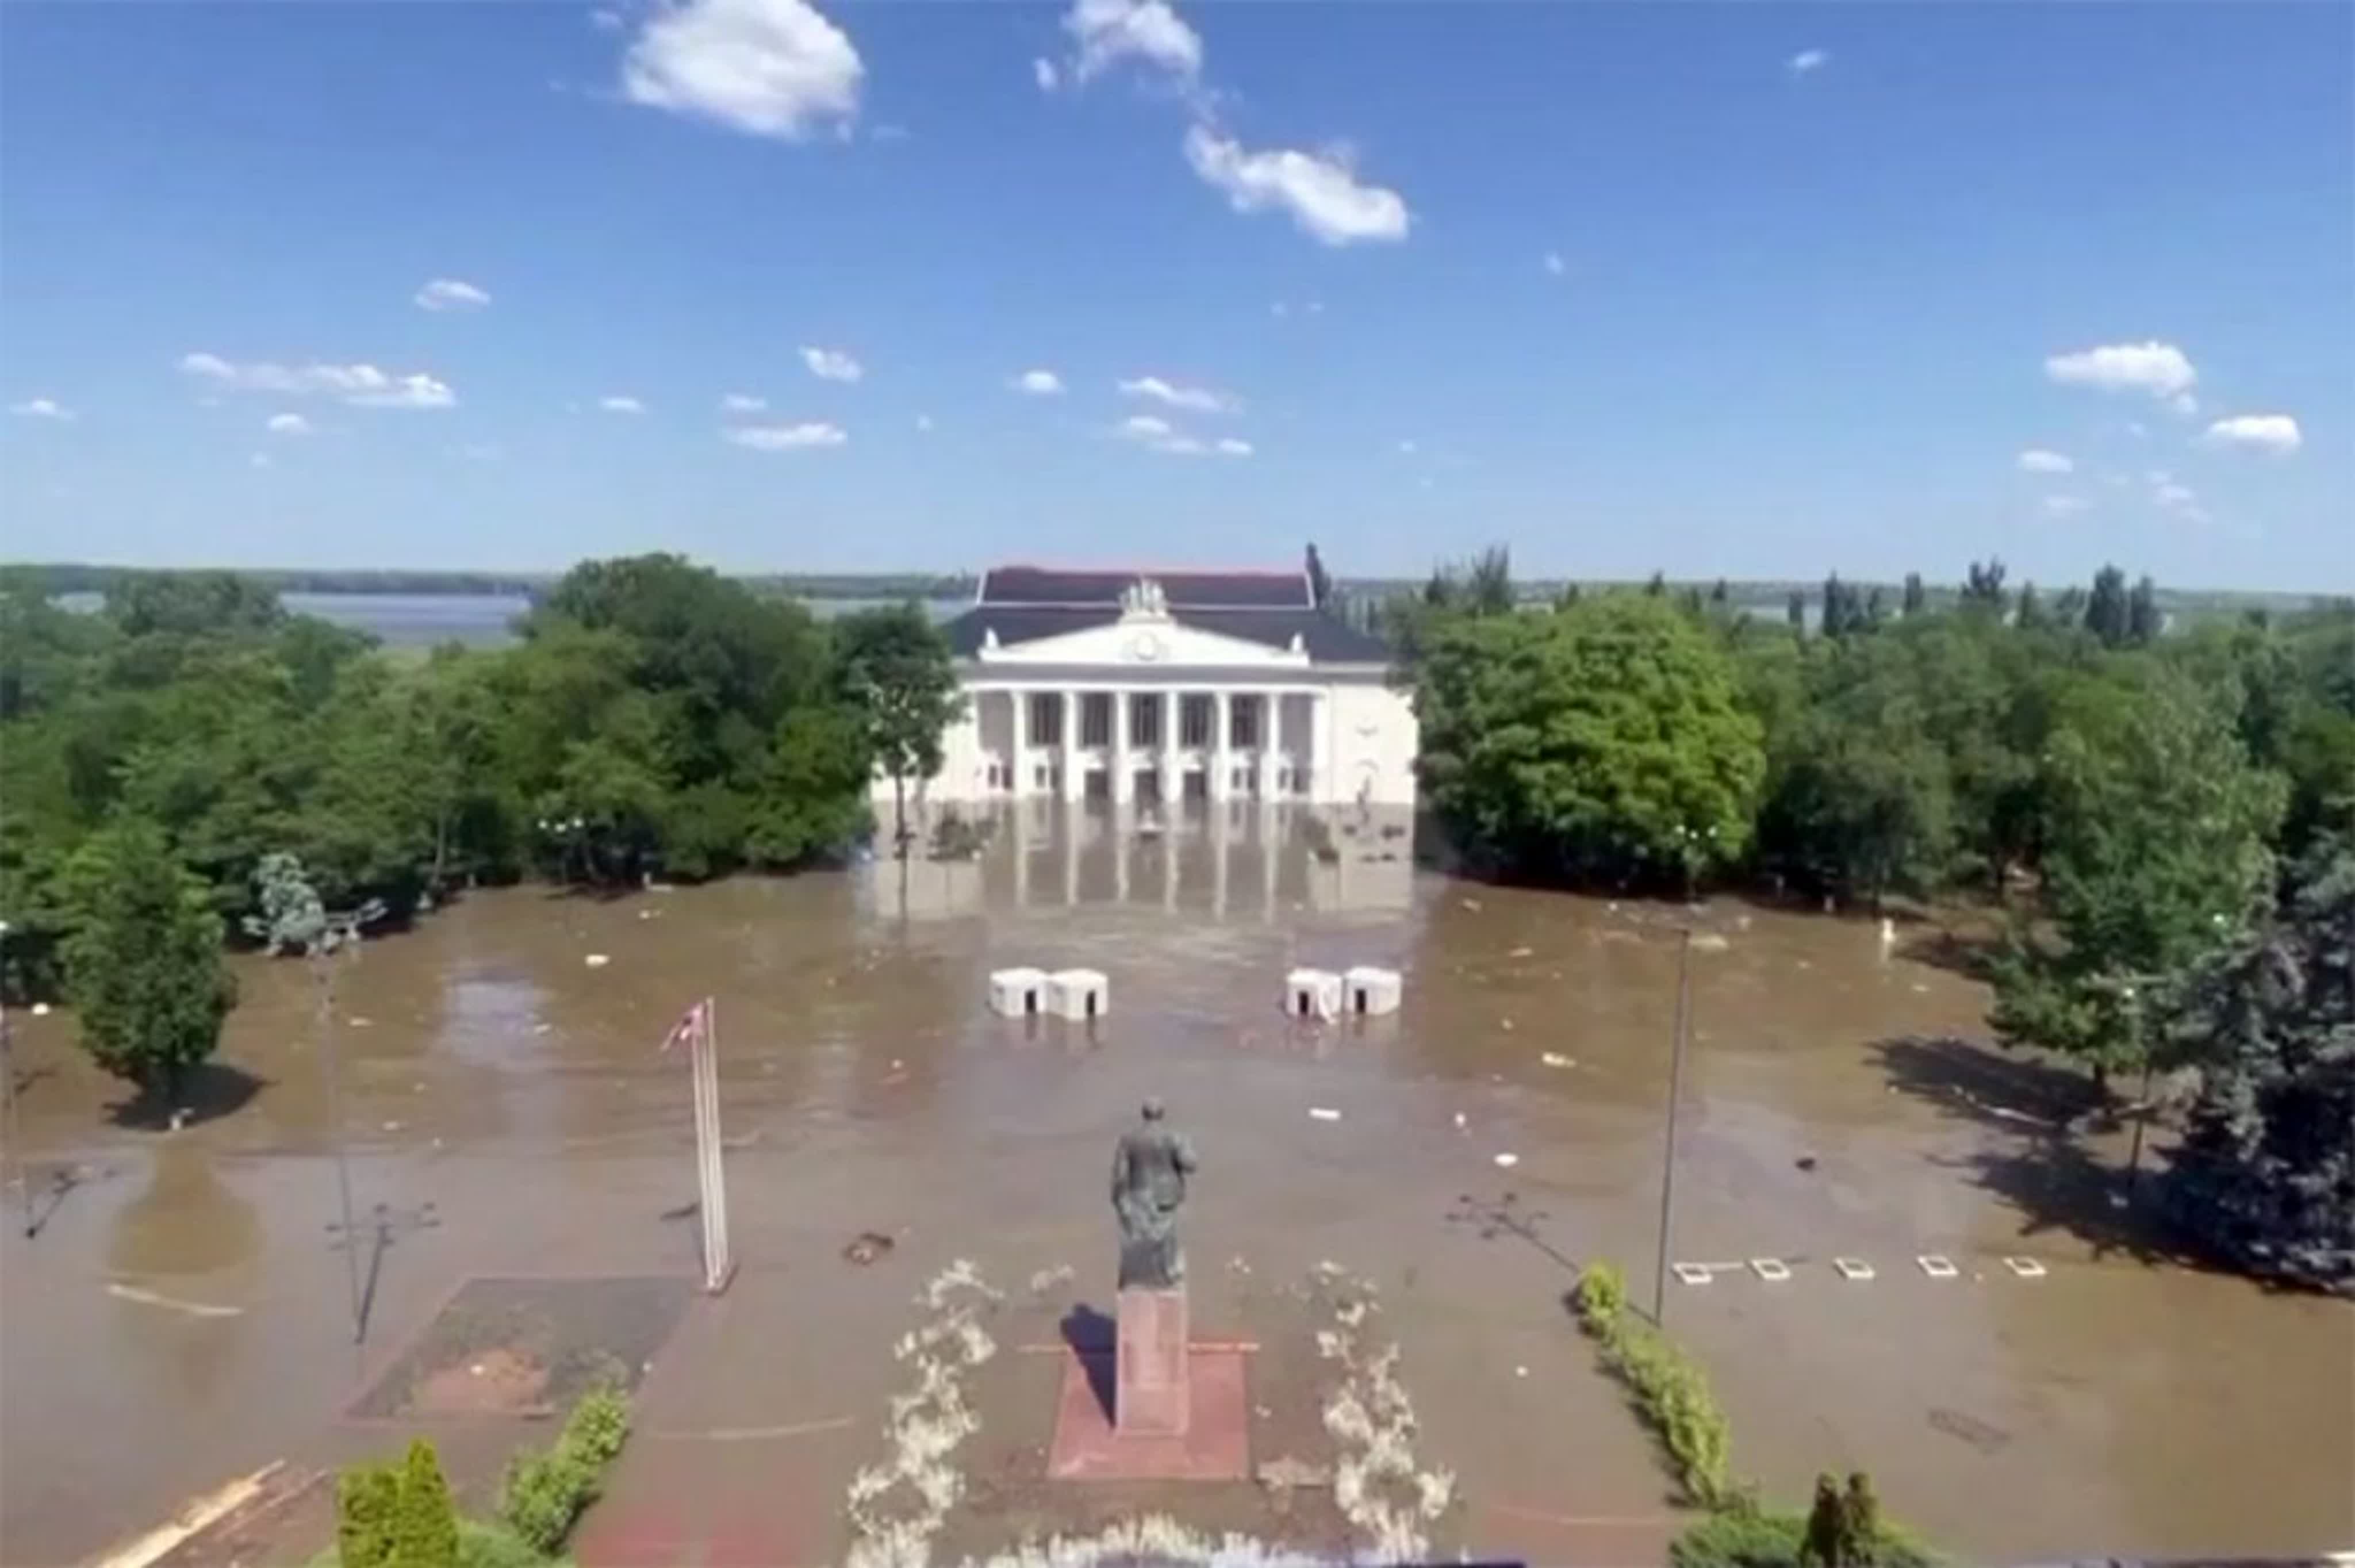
pixel 2028 612
pixel 1916 599
pixel 1982 588
pixel 1826 1543
pixel 2265 1171
pixel 899 674
pixel 2144 619
pixel 143 963
pixel 1794 610
pixel 2108 615
pixel 425 1534
pixel 367 1515
pixel 1608 740
pixel 2156 832
pixel 1657 586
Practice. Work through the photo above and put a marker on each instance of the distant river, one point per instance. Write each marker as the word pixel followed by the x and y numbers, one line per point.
pixel 477 620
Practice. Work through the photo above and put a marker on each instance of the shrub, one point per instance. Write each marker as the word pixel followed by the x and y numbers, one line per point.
pixel 425 1532
pixel 368 1498
pixel 484 1545
pixel 543 1493
pixel 1740 1538
pixel 1600 1297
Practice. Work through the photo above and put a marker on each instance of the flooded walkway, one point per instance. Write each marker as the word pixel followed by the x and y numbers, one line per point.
pixel 183 1314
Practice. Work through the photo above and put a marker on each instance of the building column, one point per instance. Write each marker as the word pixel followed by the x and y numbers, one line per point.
pixel 1074 785
pixel 1124 778
pixel 1271 730
pixel 1018 746
pixel 1021 831
pixel 1173 778
pixel 1222 759
pixel 1320 747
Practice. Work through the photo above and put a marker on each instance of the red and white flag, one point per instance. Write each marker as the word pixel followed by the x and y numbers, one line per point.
pixel 689 1027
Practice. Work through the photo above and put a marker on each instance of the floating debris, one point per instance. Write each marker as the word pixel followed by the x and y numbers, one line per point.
pixel 1324 1113
pixel 1508 1160
pixel 1522 952
pixel 40 1009
pixel 1555 1059
pixel 866 1246
pixel 596 960
pixel 1287 1472
pixel 1047 1279
pixel 357 1021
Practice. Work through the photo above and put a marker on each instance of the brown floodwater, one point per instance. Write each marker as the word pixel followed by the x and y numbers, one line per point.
pixel 183 1314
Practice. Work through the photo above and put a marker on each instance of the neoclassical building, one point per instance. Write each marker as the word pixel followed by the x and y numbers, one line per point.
pixel 1148 689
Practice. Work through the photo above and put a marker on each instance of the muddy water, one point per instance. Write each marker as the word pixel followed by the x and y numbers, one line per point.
pixel 184 1313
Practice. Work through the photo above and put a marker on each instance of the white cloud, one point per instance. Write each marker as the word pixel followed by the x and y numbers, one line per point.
pixel 450 293
pixel 2035 459
pixel 1279 310
pixel 2063 505
pixel 1805 60
pixel 1322 194
pixel 2276 434
pixel 832 364
pixel 1157 434
pixel 479 450
pixel 742 403
pixel 1038 383
pixel 1407 448
pixel 363 386
pixel 259 460
pixel 1554 264
pixel 1109 31
pixel 2137 429
pixel 621 405
pixel 768 67
pixel 2169 497
pixel 787 437
pixel 923 423
pixel 287 424
pixel 605 21
pixel 2184 404
pixel 2158 369
pixel 1202 399
pixel 41 409
pixel 1043 72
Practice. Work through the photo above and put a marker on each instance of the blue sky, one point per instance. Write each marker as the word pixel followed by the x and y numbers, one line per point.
pixel 1741 290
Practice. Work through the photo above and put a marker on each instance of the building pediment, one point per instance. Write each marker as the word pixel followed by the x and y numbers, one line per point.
pixel 1144 642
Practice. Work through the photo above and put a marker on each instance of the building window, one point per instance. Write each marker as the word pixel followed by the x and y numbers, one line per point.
pixel 1300 781
pixel 1095 719
pixel 1038 776
pixel 1046 718
pixel 1194 719
pixel 1242 722
pixel 1145 720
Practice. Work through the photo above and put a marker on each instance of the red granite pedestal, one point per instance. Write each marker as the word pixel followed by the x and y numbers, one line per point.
pixel 1176 1411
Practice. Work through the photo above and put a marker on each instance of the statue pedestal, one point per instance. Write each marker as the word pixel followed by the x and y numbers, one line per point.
pixel 1145 1404
pixel 1149 1383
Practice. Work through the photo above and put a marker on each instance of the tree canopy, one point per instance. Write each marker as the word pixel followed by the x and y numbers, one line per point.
pixel 1604 740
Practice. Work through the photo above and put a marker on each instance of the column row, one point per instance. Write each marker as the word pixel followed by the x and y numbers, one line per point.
pixel 1217 724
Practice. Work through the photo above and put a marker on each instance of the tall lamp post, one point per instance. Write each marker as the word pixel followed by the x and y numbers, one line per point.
pixel 1668 1153
pixel 9 1103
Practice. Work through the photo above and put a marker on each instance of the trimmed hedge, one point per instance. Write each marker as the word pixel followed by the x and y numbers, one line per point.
pixel 544 1492
pixel 1668 1388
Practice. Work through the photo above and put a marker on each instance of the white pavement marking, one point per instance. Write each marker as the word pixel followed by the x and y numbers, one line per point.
pixel 1692 1274
pixel 1853 1268
pixel 2026 1268
pixel 193 1308
pixel 1938 1266
pixel 1774 1271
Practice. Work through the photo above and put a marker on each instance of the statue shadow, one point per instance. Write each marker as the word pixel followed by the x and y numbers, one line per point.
pixel 1095 1340
pixel 209 1091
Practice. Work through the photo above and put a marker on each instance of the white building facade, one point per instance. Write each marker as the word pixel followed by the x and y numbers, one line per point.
pixel 1153 690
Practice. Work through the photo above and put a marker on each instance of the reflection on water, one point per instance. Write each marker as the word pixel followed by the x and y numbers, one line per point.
pixel 1235 859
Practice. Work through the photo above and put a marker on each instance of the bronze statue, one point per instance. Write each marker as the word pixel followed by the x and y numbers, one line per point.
pixel 1148 1187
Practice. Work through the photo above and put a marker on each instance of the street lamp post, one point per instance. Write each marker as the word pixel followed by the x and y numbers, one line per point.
pixel 1669 1154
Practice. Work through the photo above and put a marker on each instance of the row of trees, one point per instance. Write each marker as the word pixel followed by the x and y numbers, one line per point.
pixel 2141 803
pixel 654 719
